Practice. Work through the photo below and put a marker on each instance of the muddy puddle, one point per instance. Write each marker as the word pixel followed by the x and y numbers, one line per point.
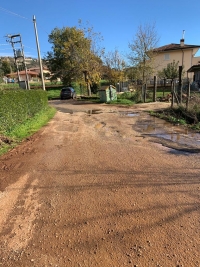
pixel 172 136
pixel 94 111
pixel 65 110
pixel 70 111
pixel 128 114
pixel 158 130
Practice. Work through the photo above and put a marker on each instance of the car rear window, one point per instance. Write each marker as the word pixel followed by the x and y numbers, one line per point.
pixel 66 90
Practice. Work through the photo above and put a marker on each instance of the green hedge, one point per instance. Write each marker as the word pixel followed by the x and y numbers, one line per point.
pixel 16 106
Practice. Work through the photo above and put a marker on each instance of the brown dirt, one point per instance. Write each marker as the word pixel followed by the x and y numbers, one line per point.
pixel 88 190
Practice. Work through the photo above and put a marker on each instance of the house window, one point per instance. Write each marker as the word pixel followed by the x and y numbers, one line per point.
pixel 166 57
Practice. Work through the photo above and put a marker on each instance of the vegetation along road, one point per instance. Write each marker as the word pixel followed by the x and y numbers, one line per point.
pixel 89 190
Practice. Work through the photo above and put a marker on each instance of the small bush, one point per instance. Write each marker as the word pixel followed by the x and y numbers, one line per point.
pixel 131 96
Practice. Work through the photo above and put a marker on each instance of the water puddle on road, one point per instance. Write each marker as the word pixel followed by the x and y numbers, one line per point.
pixel 94 111
pixel 151 126
pixel 65 110
pixel 128 114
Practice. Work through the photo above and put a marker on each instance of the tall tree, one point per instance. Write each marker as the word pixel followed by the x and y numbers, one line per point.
pixel 114 66
pixel 142 52
pixel 72 57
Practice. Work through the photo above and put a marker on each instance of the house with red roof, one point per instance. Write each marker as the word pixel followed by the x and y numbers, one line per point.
pixel 182 53
pixel 32 75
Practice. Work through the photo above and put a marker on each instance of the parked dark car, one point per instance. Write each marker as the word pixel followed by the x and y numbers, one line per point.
pixel 67 93
pixel 195 86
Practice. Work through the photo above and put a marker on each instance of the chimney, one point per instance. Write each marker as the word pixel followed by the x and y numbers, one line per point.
pixel 182 40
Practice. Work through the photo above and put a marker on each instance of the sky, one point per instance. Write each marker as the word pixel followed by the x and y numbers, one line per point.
pixel 117 21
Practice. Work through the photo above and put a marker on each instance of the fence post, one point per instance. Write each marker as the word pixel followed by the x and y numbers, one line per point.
pixel 164 87
pixel 180 84
pixel 188 95
pixel 154 88
pixel 173 94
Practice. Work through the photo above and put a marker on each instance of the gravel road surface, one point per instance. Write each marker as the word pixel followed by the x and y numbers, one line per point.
pixel 89 190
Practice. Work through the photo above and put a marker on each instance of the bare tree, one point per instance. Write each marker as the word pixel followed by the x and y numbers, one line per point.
pixel 114 65
pixel 142 52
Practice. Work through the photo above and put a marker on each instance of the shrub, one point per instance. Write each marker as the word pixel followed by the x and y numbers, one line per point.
pixel 18 105
pixel 132 96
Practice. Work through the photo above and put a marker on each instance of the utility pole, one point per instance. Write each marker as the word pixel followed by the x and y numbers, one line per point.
pixel 19 56
pixel 38 49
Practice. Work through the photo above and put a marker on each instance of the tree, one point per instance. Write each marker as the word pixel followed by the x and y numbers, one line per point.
pixel 72 57
pixel 5 67
pixel 114 66
pixel 170 72
pixel 143 51
pixel 132 73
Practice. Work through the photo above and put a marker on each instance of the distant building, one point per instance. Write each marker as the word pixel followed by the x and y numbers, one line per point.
pixel 182 52
pixel 37 69
pixel 32 75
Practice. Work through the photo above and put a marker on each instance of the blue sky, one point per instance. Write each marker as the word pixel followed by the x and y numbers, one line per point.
pixel 117 21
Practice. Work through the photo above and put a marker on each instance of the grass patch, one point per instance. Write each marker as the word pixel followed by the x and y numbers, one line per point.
pixel 121 101
pixel 178 116
pixel 93 98
pixel 169 115
pixel 53 94
pixel 10 139
pixel 9 86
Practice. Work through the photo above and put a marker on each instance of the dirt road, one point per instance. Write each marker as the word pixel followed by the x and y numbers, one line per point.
pixel 88 190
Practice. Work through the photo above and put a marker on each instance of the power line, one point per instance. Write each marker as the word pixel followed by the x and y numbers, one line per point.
pixel 29 47
pixel 12 13
pixel 15 14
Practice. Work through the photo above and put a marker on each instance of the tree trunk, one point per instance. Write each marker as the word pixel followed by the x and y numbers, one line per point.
pixel 145 92
pixel 88 89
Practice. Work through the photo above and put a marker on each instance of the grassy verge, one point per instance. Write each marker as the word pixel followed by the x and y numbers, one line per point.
pixel 11 139
pixel 170 115
pixel 179 116
pixel 119 101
